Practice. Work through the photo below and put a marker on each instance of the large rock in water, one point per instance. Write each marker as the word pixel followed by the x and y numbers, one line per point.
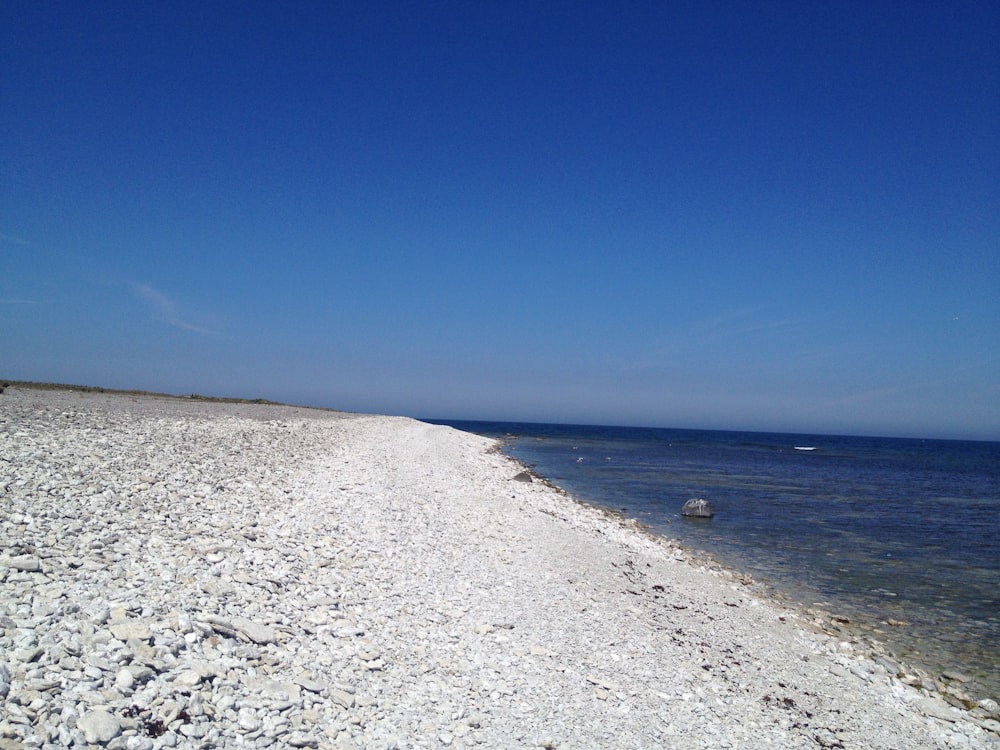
pixel 697 508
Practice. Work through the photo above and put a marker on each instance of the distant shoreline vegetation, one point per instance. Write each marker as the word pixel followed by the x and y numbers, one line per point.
pixel 120 392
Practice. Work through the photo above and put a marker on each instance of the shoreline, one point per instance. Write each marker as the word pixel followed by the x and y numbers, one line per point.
pixel 819 616
pixel 244 572
pixel 886 634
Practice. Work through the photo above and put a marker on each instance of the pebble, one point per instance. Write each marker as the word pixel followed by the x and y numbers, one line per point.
pixel 25 563
pixel 98 727
pixel 180 573
pixel 248 720
pixel 124 680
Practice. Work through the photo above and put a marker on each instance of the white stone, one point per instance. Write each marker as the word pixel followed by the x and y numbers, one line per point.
pixel 248 720
pixel 124 680
pixel 188 678
pixel 99 726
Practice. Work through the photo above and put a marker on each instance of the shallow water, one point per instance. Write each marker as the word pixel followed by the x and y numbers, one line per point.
pixel 872 528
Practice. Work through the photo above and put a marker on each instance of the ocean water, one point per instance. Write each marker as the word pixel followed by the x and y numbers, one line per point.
pixel 874 529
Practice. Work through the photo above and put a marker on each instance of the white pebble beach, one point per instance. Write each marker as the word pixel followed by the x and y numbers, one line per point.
pixel 183 573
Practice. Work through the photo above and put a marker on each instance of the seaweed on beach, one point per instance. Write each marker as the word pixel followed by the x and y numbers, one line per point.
pixel 150 727
pixel 804 722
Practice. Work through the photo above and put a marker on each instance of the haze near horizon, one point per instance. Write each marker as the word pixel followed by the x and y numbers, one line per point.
pixel 680 215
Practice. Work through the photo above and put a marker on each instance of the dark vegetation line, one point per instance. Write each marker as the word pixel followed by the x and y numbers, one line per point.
pixel 193 397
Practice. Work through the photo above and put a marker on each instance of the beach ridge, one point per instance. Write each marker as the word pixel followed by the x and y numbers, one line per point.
pixel 193 573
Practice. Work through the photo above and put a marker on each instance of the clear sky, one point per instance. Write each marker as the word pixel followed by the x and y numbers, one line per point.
pixel 693 214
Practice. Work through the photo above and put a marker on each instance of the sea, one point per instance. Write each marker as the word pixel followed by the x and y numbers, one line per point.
pixel 875 530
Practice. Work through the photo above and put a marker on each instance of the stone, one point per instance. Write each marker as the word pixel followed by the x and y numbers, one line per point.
pixel 29 655
pixel 955 676
pixel 248 720
pixel 272 690
pixel 937 709
pixel 957 697
pixel 840 671
pixel 260 634
pixel 189 678
pixel 523 477
pixel 125 680
pixel 99 727
pixel 308 684
pixel 697 508
pixel 193 731
pixel 990 706
pixel 127 629
pixel 342 697
pixel 23 563
pixel 140 673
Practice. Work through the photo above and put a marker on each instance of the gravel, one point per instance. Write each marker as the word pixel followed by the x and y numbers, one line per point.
pixel 178 573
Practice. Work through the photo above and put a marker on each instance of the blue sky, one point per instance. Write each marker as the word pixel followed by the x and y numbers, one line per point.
pixel 722 215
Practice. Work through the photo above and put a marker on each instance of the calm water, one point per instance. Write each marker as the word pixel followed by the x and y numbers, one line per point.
pixel 872 528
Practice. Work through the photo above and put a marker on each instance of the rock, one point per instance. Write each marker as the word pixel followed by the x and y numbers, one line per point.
pixel 342 697
pixel 98 726
pixel 248 720
pixel 253 631
pixel 957 697
pixel 140 673
pixel 272 690
pixel 29 655
pixel 840 671
pixel 193 731
pixel 189 678
pixel 886 667
pixel 311 685
pixel 127 629
pixel 23 563
pixel 990 706
pixel 125 680
pixel 522 477
pixel 697 508
pixel 42 686
pixel 955 676
pixel 937 709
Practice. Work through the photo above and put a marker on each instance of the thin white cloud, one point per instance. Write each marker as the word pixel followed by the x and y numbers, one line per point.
pixel 8 239
pixel 16 301
pixel 952 378
pixel 166 308
pixel 692 338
